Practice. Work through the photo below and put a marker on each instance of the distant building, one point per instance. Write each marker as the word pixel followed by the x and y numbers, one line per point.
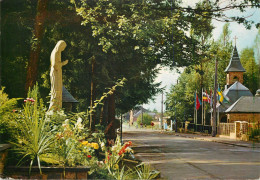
pixel 134 114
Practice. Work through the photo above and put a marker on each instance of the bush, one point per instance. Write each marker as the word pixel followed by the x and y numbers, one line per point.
pixel 254 133
pixel 7 113
pixel 147 119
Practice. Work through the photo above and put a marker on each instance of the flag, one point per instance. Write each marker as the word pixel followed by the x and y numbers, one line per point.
pixel 211 98
pixel 197 102
pixel 220 96
pixel 204 96
pixel 208 96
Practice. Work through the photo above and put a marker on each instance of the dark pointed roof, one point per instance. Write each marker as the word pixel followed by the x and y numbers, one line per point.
pixel 234 63
pixel 67 97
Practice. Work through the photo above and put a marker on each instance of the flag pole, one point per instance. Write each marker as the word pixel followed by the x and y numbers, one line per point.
pixel 202 111
pixel 215 99
pixel 205 110
pixel 196 112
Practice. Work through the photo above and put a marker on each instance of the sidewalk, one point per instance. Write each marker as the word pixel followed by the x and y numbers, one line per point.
pixel 223 140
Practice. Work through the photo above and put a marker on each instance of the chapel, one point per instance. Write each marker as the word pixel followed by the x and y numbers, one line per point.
pixel 242 105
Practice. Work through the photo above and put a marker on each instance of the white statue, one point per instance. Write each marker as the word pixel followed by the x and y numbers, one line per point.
pixel 56 76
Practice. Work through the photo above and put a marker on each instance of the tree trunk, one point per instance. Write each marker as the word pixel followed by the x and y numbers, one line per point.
pixel 93 94
pixel 110 129
pixel 32 68
pixel 103 114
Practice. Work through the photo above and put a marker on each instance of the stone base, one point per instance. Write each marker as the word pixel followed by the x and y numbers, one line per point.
pixel 244 137
pixel 47 172
pixel 233 136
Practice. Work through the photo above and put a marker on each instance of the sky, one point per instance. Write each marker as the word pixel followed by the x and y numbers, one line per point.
pixel 245 39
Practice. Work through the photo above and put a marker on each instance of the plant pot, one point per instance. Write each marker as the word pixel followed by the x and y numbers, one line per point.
pixel 3 154
pixel 47 172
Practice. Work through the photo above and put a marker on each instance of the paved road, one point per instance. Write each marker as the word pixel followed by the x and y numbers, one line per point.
pixel 184 158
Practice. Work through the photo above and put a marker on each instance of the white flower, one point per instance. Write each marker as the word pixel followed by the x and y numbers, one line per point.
pixel 67 121
pixel 113 148
pixel 79 120
pixel 78 125
pixel 102 145
pixel 128 150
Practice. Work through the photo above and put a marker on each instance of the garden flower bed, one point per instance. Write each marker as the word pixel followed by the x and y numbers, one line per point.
pixel 54 145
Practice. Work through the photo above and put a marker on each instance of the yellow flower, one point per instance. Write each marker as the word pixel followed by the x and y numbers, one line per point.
pixel 116 166
pixel 95 145
pixel 84 143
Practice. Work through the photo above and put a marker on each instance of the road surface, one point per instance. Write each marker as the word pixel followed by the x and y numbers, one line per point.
pixel 185 158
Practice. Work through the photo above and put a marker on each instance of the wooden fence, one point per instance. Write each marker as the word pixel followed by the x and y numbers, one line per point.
pixel 226 128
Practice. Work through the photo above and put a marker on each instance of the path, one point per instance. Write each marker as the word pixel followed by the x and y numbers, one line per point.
pixel 178 157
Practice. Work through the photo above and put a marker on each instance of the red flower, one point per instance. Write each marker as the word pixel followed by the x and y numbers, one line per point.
pixel 14 110
pixel 89 156
pixel 120 153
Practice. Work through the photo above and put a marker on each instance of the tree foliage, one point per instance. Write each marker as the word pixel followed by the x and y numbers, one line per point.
pixel 128 39
pixel 147 119
pixel 251 76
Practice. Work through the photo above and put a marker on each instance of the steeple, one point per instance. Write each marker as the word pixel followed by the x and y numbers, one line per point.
pixel 234 69
pixel 234 63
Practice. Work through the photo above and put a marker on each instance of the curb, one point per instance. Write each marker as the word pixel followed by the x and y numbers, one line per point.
pixel 216 141
pixel 222 142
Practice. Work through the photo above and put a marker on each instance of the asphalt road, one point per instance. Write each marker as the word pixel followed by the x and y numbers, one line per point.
pixel 184 158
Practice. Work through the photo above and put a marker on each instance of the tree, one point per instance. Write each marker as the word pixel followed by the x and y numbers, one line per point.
pixel 32 68
pixel 251 75
pixel 180 100
pixel 147 119
pixel 128 39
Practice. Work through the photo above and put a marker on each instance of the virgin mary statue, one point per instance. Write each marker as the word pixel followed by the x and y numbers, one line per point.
pixel 56 76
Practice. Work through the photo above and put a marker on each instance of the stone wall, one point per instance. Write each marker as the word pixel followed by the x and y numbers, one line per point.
pixel 249 117
pixel 232 75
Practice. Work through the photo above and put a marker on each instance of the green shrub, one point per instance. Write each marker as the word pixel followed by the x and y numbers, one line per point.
pixel 147 119
pixel 254 133
pixel 8 112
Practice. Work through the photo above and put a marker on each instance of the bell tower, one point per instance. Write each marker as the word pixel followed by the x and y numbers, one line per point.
pixel 234 69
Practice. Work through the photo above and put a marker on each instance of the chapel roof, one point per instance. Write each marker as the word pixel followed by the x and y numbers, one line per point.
pixel 234 92
pixel 67 97
pixel 234 63
pixel 245 104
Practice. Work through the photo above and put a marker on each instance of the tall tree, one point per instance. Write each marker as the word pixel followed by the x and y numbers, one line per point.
pixel 32 68
pixel 252 73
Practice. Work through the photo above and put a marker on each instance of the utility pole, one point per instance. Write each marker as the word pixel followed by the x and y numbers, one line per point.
pixel 215 99
pixel 142 114
pixel 162 112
